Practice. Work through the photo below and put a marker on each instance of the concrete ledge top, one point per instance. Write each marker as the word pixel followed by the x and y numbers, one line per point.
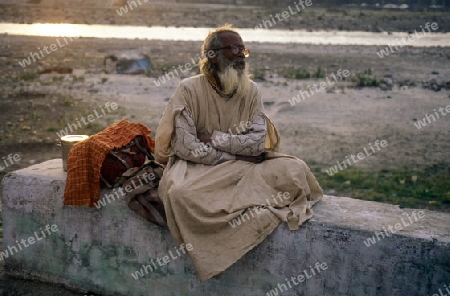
pixel 358 214
pixel 48 170
pixel 343 212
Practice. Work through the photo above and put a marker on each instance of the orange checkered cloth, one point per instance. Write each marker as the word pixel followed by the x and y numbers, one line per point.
pixel 85 160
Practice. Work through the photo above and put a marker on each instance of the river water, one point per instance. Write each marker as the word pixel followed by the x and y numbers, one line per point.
pixel 420 38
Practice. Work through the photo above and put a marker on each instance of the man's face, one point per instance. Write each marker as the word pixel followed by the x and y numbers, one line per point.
pixel 227 58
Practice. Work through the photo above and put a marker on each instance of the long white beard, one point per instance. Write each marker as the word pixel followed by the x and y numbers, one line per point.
pixel 232 80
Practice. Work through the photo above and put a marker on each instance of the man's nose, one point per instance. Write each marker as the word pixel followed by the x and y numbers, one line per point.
pixel 241 53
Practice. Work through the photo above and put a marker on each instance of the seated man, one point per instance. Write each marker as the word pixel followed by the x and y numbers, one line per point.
pixel 225 187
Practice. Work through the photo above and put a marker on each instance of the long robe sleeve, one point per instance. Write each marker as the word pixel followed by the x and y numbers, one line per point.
pixel 250 143
pixel 187 146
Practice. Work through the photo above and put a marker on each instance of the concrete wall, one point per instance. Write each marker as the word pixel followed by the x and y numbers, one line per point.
pixel 97 250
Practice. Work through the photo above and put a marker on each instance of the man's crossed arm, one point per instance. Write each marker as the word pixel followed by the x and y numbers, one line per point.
pixel 218 147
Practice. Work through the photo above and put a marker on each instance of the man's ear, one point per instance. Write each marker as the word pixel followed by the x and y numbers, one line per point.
pixel 212 56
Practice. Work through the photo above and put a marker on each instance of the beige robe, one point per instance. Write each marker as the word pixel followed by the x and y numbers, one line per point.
pixel 203 203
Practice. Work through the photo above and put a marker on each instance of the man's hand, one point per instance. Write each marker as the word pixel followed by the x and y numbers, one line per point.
pixel 254 159
pixel 204 138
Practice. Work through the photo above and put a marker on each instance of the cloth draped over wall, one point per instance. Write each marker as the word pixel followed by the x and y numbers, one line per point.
pixel 86 158
pixel 204 202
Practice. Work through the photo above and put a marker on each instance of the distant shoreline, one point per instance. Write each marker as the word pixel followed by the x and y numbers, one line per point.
pixel 169 13
pixel 358 38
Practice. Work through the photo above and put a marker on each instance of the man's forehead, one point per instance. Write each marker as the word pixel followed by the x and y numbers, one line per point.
pixel 230 38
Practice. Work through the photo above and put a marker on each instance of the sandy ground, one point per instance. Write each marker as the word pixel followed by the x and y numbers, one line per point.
pixel 322 129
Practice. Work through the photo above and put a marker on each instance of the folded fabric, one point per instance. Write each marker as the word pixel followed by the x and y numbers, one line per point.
pixel 118 161
pixel 86 158
pixel 142 194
